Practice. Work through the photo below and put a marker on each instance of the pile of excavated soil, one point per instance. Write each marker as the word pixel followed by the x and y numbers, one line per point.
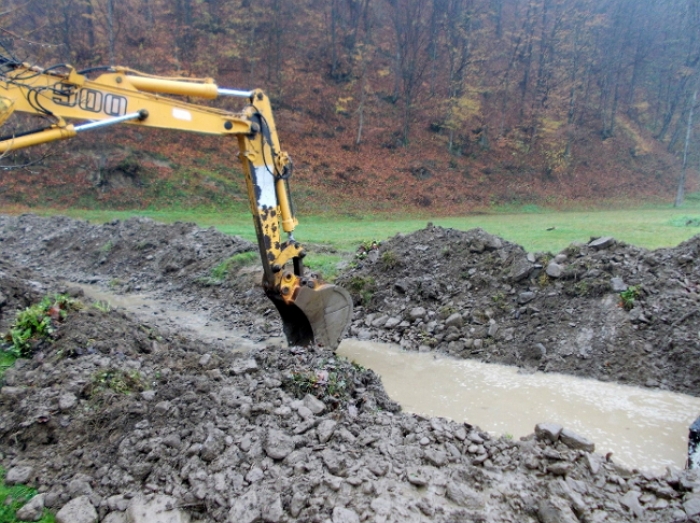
pixel 114 420
pixel 604 309
pixel 117 420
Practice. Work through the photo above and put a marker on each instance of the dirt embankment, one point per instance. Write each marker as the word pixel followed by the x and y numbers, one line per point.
pixel 603 309
pixel 116 418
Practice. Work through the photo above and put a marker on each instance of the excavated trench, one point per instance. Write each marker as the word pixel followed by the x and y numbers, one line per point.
pixel 644 429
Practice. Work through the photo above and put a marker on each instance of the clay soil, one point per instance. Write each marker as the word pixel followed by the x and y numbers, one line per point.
pixel 119 412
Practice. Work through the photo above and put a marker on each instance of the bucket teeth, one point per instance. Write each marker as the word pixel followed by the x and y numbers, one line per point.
pixel 320 315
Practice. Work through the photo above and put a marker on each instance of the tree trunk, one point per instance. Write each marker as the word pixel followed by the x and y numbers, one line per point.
pixel 680 193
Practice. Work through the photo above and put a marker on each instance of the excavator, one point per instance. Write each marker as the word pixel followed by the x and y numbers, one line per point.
pixel 311 310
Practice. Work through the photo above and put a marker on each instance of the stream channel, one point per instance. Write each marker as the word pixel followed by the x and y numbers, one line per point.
pixel 646 429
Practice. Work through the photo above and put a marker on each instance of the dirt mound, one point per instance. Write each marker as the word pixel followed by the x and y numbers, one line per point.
pixel 171 261
pixel 602 309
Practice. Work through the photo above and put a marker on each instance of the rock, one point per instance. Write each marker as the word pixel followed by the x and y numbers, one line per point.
pixel 278 445
pixel 617 284
pixel 114 517
pixel 561 468
pixel 631 501
pixel 554 270
pixel 576 442
pixel 18 475
pixel 344 515
pixel 245 509
pixel 155 509
pixel 455 320
pixel 402 286
pixel 245 367
pixel 418 476
pixel 67 402
pixel 555 510
pixel 464 496
pixel 272 511
pixel 32 510
pixel 602 243
pixel 213 446
pixel 334 461
pixel 148 395
pixel 548 431
pixel 314 404
pixel 392 323
pixel 436 457
pixel 325 430
pixel 526 297
pixel 520 269
pixel 79 510
pixel 417 313
pixel 691 505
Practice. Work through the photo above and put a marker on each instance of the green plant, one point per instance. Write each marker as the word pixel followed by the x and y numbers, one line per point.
pixel 102 306
pixel 117 380
pixel 107 247
pixel 320 383
pixel 389 260
pixel 37 323
pixel 629 296
pixel 13 497
pixel 364 286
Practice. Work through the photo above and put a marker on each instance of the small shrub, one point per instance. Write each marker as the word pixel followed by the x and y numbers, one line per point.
pixel 629 296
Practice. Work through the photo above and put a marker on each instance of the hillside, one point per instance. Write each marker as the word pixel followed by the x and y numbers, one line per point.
pixel 449 105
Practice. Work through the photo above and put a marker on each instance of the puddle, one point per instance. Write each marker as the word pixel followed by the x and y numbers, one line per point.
pixel 643 428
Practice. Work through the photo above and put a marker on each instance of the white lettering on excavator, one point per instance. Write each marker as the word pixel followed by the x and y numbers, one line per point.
pixel 266 183
pixel 182 114
pixel 90 100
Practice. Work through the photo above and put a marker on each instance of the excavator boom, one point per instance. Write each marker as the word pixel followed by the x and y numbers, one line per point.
pixel 312 311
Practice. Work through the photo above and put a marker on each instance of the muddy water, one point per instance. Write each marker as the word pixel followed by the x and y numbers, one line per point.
pixel 644 429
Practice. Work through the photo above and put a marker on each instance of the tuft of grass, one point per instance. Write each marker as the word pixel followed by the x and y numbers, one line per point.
pixel 13 497
pixel 630 296
pixel 236 262
pixel 116 380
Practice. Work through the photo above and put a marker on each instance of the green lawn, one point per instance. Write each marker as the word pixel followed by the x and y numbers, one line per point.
pixel 538 231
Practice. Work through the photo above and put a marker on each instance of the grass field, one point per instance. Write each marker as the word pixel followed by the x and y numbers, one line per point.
pixel 536 231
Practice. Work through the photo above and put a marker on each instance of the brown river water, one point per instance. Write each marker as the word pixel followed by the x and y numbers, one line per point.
pixel 643 428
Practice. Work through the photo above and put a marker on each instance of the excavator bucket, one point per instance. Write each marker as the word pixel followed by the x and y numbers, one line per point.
pixel 319 315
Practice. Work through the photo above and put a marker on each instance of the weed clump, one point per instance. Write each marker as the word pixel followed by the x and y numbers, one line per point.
pixel 37 324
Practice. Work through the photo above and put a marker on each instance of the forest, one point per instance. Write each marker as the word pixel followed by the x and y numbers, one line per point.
pixel 443 104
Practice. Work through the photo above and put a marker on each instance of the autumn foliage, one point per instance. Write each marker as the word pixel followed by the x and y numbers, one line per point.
pixel 449 105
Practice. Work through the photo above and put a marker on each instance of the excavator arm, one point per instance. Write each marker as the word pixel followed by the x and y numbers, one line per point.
pixel 311 310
